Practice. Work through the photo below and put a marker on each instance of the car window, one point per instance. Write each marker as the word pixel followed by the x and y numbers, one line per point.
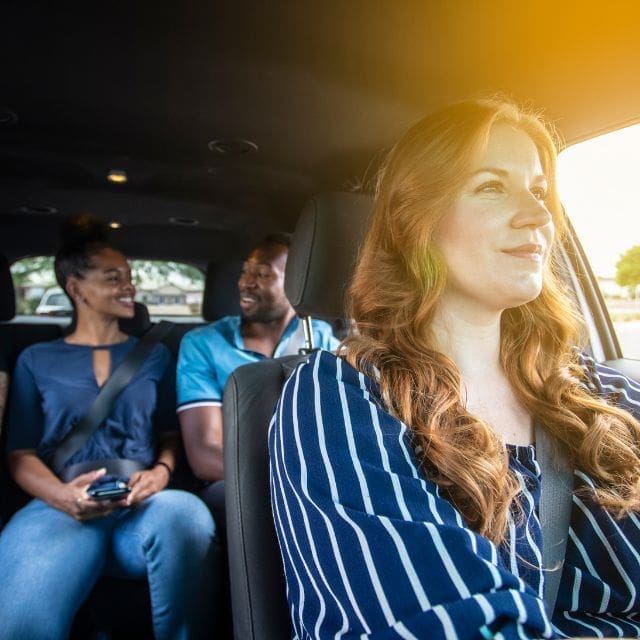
pixel 169 289
pixel 599 187
pixel 57 299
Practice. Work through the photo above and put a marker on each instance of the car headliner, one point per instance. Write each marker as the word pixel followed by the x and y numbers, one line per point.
pixel 322 89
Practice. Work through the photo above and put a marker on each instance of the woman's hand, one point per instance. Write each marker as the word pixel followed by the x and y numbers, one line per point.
pixel 72 498
pixel 145 483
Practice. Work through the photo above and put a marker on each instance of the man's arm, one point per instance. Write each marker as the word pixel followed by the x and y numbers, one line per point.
pixel 202 436
pixel 199 406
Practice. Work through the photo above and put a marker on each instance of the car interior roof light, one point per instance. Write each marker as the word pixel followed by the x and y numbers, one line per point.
pixel 117 176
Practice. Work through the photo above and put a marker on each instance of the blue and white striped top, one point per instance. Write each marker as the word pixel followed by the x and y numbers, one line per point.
pixel 372 550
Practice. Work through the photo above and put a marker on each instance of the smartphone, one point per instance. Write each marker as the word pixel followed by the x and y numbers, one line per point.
pixel 108 488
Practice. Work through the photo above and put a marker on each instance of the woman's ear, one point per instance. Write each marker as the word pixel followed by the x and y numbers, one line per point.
pixel 73 290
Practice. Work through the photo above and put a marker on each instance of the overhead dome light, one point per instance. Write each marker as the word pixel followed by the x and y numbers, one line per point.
pixel 185 222
pixel 232 147
pixel 117 176
pixel 115 224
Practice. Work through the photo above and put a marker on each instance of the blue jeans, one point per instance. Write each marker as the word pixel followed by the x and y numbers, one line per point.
pixel 49 563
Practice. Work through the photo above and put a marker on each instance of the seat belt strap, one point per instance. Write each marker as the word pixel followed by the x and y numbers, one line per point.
pixel 554 511
pixel 112 388
pixel 296 341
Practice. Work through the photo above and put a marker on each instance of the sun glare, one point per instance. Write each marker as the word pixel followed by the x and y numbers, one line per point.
pixel 599 185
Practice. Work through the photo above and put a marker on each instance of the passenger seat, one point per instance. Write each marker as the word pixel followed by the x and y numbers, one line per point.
pixel 219 299
pixel 320 264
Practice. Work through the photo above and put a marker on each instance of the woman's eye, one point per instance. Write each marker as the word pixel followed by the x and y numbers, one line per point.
pixel 539 193
pixel 490 187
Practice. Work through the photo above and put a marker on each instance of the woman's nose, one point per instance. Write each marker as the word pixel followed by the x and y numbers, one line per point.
pixel 531 212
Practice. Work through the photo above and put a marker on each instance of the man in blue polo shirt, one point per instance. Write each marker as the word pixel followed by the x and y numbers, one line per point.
pixel 266 328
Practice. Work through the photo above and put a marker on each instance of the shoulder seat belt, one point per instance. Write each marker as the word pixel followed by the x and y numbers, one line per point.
pixel 296 341
pixel 112 388
pixel 555 512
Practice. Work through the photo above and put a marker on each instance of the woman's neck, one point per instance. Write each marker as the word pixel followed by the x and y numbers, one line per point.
pixel 96 331
pixel 472 341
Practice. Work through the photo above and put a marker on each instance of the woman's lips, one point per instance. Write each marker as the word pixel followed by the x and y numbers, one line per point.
pixel 526 252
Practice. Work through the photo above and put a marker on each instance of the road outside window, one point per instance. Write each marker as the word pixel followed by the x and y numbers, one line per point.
pixel 599 186
pixel 169 289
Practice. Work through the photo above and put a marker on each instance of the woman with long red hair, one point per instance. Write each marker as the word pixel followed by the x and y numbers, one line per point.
pixel 405 481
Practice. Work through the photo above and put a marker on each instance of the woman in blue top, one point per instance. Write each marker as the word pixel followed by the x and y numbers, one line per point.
pixel 405 483
pixel 53 550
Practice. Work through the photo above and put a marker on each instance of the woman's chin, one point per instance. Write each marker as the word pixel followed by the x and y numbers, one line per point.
pixel 126 312
pixel 519 301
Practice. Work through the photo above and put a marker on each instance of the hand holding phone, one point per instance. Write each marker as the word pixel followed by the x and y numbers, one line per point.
pixel 108 488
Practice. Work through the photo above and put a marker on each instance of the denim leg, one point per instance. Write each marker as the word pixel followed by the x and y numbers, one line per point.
pixel 48 562
pixel 170 538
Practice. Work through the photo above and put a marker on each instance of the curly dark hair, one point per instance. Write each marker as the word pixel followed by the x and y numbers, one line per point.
pixel 82 236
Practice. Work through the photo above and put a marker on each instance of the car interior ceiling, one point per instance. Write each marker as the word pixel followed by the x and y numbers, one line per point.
pixel 228 116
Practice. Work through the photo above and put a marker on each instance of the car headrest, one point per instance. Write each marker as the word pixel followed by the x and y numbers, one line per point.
pixel 323 253
pixel 221 297
pixel 139 324
pixel 136 326
pixel 7 293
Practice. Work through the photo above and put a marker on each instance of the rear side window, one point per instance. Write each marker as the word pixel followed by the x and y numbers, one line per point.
pixel 599 187
pixel 169 289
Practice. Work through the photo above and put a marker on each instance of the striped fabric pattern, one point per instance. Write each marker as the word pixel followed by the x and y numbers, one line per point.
pixel 372 550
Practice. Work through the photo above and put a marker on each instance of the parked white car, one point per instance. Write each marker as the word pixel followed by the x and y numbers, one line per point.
pixel 54 302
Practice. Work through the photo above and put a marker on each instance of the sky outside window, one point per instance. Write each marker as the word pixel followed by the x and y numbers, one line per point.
pixel 599 185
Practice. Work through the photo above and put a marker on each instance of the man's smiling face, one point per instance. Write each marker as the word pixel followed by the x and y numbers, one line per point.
pixel 261 284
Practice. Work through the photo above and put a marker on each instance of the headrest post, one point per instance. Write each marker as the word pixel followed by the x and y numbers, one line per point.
pixel 308 334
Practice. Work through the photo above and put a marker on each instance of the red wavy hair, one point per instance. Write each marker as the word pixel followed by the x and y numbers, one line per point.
pixel 398 282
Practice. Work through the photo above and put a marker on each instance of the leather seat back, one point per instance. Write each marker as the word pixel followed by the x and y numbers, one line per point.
pixel 258 591
pixel 321 259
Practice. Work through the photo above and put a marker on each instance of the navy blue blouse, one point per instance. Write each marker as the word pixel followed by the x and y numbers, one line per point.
pixel 372 550
pixel 54 385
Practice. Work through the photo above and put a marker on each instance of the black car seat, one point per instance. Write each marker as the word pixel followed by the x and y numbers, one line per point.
pixel 219 298
pixel 14 337
pixel 7 311
pixel 7 293
pixel 137 326
pixel 321 259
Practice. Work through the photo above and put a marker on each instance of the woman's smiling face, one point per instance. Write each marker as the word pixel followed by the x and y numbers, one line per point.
pixel 106 288
pixel 496 236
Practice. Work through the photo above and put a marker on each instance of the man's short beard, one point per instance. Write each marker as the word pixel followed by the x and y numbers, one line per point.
pixel 263 316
